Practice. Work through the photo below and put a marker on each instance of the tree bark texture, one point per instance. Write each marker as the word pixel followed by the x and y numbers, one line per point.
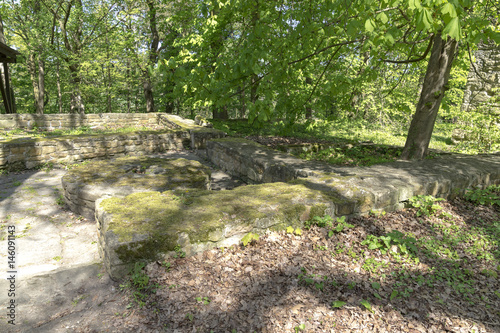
pixel 37 73
pixel 433 89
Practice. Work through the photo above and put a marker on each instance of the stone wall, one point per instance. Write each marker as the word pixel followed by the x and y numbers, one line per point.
pixel 29 153
pixel 487 64
pixel 179 133
pixel 69 121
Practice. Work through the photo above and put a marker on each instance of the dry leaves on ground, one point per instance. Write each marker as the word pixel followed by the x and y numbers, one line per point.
pixel 312 283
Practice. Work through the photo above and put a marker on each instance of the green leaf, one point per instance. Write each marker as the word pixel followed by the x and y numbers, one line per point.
pixel 452 29
pixel 389 38
pixel 338 304
pixel 449 9
pixel 367 305
pixel 424 19
pixel 376 285
pixel 377 295
pixel 369 25
pixel 382 17
pixel 394 294
pixel 414 4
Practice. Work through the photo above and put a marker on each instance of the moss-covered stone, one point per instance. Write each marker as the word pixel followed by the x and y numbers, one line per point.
pixel 149 224
pixel 87 182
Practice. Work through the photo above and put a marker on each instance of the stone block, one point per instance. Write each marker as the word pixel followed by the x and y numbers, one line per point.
pixel 148 225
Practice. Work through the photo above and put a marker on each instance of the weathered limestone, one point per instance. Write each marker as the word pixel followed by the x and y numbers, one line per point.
pixel 149 225
pixel 254 162
pixel 31 152
pixel 67 121
pixel 84 184
pixel 380 187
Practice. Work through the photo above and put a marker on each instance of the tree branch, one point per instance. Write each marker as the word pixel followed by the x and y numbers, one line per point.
pixel 407 61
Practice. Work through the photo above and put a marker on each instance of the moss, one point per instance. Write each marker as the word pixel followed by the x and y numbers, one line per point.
pixel 120 172
pixel 163 216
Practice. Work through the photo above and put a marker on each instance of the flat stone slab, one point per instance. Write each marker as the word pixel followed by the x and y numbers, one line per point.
pixel 84 184
pixel 149 225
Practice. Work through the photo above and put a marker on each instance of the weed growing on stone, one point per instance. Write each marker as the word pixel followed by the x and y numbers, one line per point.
pixel 178 252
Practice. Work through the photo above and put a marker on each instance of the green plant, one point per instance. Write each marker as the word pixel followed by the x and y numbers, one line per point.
pixel 189 316
pixel 205 300
pixel 426 204
pixel 60 200
pixel 249 238
pixel 178 252
pixel 488 196
pixel 325 221
pixel 406 245
pixel 341 225
pixel 338 304
pixel 367 305
pixel 301 327
pixel 291 230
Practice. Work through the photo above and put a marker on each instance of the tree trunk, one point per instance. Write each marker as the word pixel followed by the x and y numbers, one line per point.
pixel 58 83
pixel 37 75
pixel 219 112
pixel 148 93
pixel 433 89
pixel 76 104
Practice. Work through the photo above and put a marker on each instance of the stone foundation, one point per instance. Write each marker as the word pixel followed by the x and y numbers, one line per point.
pixel 150 225
pixel 27 153
pixel 84 184
pixel 66 121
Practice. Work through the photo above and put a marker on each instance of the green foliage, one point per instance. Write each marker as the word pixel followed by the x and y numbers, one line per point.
pixel 179 253
pixel 205 300
pixel 138 282
pixel 338 304
pixel 406 245
pixel 291 230
pixel 249 238
pixel 327 222
pixel 488 196
pixel 426 204
pixel 367 305
pixel 300 328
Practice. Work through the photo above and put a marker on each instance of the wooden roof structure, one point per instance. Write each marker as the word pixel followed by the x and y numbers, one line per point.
pixel 7 56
